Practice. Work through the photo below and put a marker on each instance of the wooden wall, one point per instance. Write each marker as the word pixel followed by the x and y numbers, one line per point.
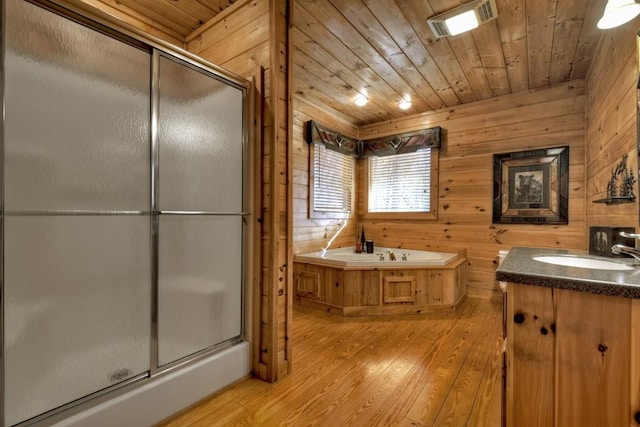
pixel 472 133
pixel 250 38
pixel 611 122
pixel 310 235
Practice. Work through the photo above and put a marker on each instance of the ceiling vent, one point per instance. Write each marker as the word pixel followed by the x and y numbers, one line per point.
pixel 463 18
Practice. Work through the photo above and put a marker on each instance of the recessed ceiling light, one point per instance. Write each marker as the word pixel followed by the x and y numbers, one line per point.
pixel 404 104
pixel 464 22
pixel 360 100
pixel 618 12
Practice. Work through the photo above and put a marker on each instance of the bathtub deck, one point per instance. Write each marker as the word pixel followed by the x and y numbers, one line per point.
pixel 442 369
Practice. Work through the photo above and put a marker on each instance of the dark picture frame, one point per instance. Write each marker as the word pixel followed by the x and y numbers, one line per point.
pixel 531 187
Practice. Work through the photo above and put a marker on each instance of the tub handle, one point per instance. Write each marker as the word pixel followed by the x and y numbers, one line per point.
pixel 381 255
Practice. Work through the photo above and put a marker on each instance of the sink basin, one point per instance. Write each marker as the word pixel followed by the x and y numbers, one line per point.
pixel 582 262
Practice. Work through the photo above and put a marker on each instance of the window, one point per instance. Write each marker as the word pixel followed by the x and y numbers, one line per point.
pixel 331 183
pixel 403 183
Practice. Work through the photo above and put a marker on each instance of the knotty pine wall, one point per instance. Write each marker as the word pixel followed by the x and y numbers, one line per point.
pixel 472 133
pixel 313 234
pixel 611 122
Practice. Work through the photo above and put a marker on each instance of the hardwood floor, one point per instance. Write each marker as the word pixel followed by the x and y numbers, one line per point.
pixel 439 369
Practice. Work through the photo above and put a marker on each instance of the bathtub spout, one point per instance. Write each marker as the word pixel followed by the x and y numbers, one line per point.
pixel 392 256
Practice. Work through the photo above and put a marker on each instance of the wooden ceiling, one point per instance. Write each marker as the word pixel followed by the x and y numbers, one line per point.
pixel 385 50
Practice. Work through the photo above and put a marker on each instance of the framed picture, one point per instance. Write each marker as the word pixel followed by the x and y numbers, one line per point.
pixel 531 187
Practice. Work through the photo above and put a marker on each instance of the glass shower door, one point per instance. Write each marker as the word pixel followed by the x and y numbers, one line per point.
pixel 200 202
pixel 77 261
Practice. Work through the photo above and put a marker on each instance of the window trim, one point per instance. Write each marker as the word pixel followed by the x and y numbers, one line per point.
pixel 329 214
pixel 432 215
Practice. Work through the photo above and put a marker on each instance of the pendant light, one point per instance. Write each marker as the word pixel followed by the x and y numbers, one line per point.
pixel 618 12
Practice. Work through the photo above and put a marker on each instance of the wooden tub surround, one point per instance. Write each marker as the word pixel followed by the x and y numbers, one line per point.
pixel 572 341
pixel 380 290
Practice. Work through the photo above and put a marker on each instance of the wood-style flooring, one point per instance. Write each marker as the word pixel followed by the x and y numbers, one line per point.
pixel 438 369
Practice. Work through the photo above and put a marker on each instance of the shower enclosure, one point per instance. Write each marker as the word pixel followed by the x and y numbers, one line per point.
pixel 124 197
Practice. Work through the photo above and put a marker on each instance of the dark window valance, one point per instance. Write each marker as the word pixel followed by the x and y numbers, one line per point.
pixel 407 142
pixel 333 140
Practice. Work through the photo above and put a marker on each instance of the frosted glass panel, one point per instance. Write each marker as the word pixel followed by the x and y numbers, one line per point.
pixel 200 141
pixel 199 283
pixel 77 116
pixel 77 308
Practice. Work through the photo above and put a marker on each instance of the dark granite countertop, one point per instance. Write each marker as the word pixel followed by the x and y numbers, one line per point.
pixel 520 267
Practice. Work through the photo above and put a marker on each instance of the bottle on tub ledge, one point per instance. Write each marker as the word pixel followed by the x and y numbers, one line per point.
pixel 362 241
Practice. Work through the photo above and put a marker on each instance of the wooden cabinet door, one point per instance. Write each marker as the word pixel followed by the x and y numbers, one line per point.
pixel 530 357
pixel 593 359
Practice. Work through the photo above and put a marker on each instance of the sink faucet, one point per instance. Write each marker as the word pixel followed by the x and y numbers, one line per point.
pixel 392 256
pixel 622 249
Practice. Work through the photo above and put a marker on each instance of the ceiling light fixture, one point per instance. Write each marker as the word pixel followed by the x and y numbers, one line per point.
pixel 463 18
pixel 618 12
pixel 404 104
pixel 360 100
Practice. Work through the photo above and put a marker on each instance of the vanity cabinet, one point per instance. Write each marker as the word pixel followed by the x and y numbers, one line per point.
pixel 354 292
pixel 572 358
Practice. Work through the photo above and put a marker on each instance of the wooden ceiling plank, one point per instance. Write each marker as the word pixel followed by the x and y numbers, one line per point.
pixel 487 39
pixel 155 15
pixel 361 18
pixel 315 51
pixel 128 15
pixel 346 92
pixel 335 22
pixel 309 86
pixel 589 39
pixel 540 26
pixel 306 24
pixel 416 13
pixel 396 25
pixel 512 24
pixel 466 52
pixel 570 16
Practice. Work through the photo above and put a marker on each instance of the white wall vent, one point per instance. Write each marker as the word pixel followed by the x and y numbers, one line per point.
pixel 463 18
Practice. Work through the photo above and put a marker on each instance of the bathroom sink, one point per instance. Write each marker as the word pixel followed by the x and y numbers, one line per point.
pixel 582 262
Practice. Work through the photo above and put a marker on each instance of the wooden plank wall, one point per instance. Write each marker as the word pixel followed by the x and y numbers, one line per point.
pixel 250 39
pixel 611 122
pixel 312 235
pixel 472 133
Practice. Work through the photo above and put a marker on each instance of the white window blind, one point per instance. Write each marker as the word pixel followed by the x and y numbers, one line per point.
pixel 332 180
pixel 400 183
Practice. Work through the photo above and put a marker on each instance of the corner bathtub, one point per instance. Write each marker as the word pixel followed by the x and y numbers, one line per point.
pixel 346 258
pixel 342 282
